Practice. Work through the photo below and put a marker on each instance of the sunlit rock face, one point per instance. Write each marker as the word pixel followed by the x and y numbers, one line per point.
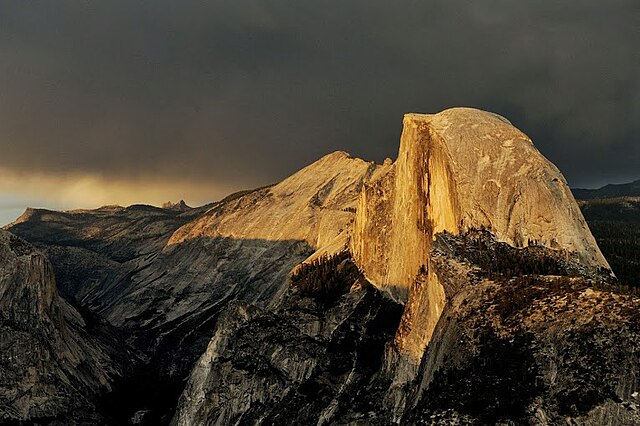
pixel 244 247
pixel 458 170
pixel 502 289
pixel 314 205
pixel 163 275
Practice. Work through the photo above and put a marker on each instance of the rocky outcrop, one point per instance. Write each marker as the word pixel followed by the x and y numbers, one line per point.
pixel 471 218
pixel 524 339
pixel 164 276
pixel 548 348
pixel 458 170
pixel 52 369
pixel 304 363
pixel 497 289
pixel 179 206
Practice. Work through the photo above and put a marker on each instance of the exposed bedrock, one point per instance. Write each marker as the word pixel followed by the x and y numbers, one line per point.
pixel 459 170
pixel 502 292
pixel 51 368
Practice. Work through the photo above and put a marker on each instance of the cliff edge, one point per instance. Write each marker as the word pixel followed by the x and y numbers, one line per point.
pixel 459 170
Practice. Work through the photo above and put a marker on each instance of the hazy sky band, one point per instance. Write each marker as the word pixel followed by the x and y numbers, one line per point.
pixel 240 93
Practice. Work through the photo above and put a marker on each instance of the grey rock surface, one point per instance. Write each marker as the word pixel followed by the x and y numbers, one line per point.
pixel 304 363
pixel 51 366
pixel 502 308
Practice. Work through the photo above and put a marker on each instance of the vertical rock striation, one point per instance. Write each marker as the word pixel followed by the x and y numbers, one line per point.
pixel 458 170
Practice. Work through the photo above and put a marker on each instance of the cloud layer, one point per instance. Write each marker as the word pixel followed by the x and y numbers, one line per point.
pixel 239 93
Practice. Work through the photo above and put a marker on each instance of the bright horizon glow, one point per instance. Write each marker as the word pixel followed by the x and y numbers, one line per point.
pixel 85 191
pixel 18 191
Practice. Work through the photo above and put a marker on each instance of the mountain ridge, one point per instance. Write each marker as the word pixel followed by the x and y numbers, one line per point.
pixel 630 189
pixel 485 244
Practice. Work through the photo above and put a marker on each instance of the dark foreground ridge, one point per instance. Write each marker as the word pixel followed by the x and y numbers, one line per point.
pixel 544 338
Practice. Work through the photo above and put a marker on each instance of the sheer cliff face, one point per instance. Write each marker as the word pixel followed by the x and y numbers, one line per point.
pixel 50 367
pixel 469 209
pixel 458 170
pixel 477 235
pixel 27 286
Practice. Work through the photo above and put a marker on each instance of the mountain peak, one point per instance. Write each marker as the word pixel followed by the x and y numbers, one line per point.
pixel 459 170
pixel 179 206
pixel 472 230
pixel 28 214
pixel 336 155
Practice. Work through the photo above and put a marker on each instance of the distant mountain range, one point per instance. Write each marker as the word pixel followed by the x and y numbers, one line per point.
pixel 631 189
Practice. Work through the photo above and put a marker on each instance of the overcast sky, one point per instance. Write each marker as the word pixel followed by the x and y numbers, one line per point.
pixel 105 102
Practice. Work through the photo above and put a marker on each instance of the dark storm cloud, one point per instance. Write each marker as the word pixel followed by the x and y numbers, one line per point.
pixel 247 91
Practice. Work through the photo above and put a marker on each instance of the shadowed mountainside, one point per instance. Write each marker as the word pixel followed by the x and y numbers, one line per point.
pixel 459 284
pixel 118 233
pixel 163 276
